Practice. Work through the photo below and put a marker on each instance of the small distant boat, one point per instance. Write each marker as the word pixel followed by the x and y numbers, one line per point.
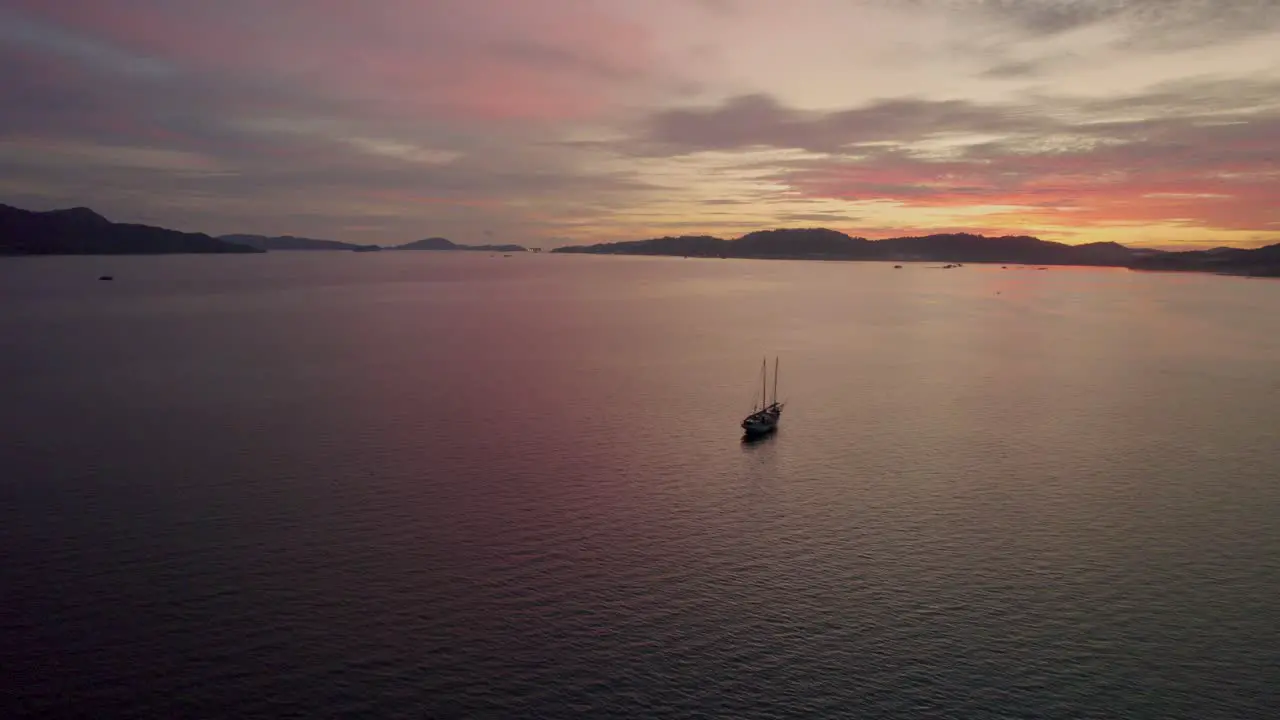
pixel 366 248
pixel 764 419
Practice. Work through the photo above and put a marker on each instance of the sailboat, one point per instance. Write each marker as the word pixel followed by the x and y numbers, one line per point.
pixel 764 419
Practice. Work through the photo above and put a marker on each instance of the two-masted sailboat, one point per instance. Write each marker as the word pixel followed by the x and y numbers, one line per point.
pixel 765 419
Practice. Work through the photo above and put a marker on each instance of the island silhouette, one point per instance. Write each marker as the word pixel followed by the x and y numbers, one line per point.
pixel 826 244
pixel 81 231
pixel 439 243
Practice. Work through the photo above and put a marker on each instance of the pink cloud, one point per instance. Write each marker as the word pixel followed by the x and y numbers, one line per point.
pixel 469 59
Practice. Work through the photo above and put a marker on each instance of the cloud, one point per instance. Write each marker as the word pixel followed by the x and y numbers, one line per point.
pixel 72 156
pixel 315 113
pixel 752 121
pixel 1195 96
pixel 827 218
pixel 18 30
pixel 1175 171
pixel 1203 152
pixel 1152 22
pixel 570 60
pixel 1015 69
pixel 720 8
pixel 575 118
pixel 921 125
pixel 1035 68
pixel 477 59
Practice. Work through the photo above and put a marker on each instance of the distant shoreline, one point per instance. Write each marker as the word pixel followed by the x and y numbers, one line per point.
pixel 949 248
pixel 1011 265
pixel 81 231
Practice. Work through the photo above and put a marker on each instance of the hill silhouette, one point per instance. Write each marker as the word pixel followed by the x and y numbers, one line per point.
pixel 81 231
pixel 826 244
pixel 805 242
pixel 288 242
pixel 1258 262
pixel 439 243
pixel 1023 249
pixel 823 243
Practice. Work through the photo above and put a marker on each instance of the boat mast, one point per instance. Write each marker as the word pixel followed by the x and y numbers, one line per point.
pixel 775 380
pixel 764 377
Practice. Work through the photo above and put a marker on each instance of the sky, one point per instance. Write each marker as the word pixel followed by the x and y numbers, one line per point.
pixel 558 122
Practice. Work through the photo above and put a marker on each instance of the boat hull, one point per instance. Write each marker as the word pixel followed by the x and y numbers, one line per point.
pixel 762 423
pixel 759 430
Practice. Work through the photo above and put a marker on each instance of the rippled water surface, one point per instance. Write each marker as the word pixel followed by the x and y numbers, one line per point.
pixel 447 486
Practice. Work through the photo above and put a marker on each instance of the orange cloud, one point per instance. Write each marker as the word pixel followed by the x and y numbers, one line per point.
pixel 1216 177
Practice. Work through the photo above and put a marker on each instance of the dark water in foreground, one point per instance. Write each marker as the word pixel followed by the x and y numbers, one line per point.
pixel 427 485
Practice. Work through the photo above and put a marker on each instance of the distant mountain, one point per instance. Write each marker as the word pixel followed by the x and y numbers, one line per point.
pixel 433 243
pixel 822 243
pixel 1022 249
pixel 1103 253
pixel 81 231
pixel 439 243
pixel 691 245
pixel 801 243
pixel 1260 262
pixel 288 242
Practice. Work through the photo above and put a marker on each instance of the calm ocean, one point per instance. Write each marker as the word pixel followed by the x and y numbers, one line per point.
pixel 464 486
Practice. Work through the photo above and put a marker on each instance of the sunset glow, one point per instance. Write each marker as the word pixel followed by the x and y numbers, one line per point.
pixel 553 122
